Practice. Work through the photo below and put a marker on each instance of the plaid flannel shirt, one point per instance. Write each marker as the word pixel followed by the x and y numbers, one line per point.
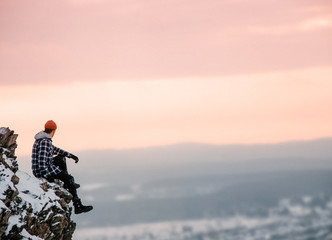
pixel 42 158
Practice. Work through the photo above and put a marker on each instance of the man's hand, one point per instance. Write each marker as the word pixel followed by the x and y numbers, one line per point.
pixel 74 157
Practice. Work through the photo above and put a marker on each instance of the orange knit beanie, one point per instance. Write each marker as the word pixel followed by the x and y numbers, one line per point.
pixel 50 124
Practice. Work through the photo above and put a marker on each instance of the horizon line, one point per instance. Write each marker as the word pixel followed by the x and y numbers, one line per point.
pixel 202 143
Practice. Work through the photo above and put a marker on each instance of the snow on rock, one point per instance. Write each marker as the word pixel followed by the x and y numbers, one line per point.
pixel 30 208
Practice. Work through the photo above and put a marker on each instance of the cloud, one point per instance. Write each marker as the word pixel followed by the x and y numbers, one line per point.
pixel 312 24
pixel 87 2
pixel 85 40
pixel 316 23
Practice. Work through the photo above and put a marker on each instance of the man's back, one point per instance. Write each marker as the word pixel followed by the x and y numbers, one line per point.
pixel 42 155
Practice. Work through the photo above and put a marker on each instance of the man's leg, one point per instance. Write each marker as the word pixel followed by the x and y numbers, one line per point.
pixel 69 181
pixel 60 161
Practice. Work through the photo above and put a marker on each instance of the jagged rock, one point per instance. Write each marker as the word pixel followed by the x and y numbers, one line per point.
pixel 66 196
pixel 8 141
pixel 15 179
pixel 30 208
pixel 4 135
pixel 4 215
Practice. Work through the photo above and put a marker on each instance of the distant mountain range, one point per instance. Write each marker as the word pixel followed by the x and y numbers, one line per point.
pixel 188 159
pixel 196 181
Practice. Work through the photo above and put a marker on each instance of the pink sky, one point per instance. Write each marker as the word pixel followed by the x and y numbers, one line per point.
pixel 125 74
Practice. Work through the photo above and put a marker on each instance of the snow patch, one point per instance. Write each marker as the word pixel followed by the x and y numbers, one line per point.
pixel 31 192
pixel 27 235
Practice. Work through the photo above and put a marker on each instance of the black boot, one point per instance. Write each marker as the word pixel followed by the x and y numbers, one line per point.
pixel 80 208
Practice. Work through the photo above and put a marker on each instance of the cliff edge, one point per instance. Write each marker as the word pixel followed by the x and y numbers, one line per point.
pixel 30 208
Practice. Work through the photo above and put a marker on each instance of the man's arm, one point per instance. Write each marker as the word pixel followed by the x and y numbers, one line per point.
pixel 60 151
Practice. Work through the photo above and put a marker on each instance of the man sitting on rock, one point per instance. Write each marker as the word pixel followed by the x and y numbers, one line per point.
pixel 48 161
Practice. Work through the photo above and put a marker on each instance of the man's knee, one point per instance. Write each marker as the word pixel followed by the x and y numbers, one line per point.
pixel 60 161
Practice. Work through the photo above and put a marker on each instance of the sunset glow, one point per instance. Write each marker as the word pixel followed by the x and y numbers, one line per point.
pixel 128 74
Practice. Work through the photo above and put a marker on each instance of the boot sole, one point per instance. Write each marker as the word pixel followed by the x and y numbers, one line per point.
pixel 87 209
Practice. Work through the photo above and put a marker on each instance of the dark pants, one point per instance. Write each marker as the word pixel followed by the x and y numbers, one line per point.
pixel 67 179
pixel 60 161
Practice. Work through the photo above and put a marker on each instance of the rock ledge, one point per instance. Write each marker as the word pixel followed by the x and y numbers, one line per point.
pixel 30 208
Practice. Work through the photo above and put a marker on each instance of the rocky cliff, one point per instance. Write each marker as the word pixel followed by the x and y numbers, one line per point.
pixel 30 208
